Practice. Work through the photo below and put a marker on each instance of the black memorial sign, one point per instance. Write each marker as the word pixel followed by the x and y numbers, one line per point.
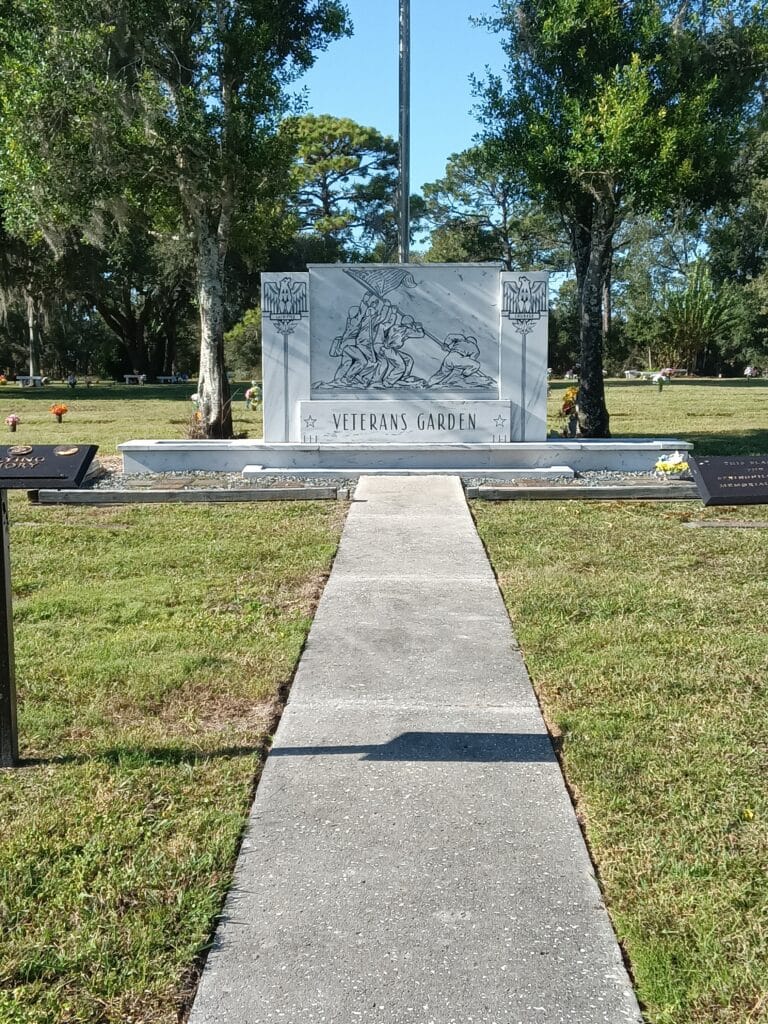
pixel 44 465
pixel 32 467
pixel 732 479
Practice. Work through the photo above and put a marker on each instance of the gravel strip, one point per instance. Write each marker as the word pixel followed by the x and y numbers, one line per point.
pixel 188 481
pixel 112 479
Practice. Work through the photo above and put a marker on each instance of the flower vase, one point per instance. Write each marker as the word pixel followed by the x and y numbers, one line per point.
pixel 59 417
pixel 12 427
pixel 573 425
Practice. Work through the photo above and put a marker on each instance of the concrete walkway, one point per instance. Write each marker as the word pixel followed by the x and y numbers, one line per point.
pixel 412 855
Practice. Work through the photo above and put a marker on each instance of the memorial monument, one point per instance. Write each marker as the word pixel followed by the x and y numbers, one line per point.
pixel 416 368
pixel 438 354
pixel 402 368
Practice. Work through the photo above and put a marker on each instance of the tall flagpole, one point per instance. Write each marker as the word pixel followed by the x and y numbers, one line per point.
pixel 404 211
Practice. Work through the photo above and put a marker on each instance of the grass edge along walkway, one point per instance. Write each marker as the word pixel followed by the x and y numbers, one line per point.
pixel 153 648
pixel 412 854
pixel 647 646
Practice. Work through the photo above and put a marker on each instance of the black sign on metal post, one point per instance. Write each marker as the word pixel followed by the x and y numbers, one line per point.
pixel 9 744
pixel 28 467
pixel 731 479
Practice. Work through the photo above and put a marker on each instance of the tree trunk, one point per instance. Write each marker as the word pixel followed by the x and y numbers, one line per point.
pixel 137 348
pixel 607 303
pixel 34 319
pixel 169 345
pixel 592 245
pixel 212 386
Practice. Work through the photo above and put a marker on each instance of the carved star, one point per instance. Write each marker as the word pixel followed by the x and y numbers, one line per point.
pixel 500 421
pixel 309 422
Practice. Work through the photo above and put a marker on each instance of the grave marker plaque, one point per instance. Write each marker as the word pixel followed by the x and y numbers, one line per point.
pixel 33 467
pixel 29 467
pixel 731 479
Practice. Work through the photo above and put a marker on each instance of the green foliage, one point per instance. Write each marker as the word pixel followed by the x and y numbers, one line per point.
pixel 480 211
pixel 563 354
pixel 754 345
pixel 344 182
pixel 140 281
pixel 613 107
pixel 737 237
pixel 662 291
pixel 242 345
pixel 645 97
pixel 693 319
pixel 125 279
pixel 645 643
pixel 163 106
pixel 341 169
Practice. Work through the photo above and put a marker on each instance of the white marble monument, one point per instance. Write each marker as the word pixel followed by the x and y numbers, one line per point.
pixel 383 354
pixel 440 368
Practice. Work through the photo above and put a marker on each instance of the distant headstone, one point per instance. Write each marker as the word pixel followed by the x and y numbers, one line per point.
pixel 731 479
pixel 383 354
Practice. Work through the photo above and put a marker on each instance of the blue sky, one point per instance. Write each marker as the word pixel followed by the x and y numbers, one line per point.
pixel 358 77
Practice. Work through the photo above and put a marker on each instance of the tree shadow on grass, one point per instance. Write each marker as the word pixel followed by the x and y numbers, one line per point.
pixel 733 383
pixel 100 392
pixel 144 757
pixel 413 746
pixel 723 442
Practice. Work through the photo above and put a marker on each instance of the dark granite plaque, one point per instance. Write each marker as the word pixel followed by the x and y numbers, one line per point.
pixel 731 479
pixel 36 466
pixel 32 467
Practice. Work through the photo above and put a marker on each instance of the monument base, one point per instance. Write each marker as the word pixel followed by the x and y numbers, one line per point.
pixel 557 456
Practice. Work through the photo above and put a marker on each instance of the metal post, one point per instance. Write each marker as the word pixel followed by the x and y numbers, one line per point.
pixel 9 739
pixel 404 212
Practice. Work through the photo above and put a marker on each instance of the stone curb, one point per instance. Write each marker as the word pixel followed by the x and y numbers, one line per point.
pixel 630 492
pixel 73 497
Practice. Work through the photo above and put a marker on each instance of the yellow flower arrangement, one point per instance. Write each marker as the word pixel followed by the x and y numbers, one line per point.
pixel 569 411
pixel 570 402
pixel 673 465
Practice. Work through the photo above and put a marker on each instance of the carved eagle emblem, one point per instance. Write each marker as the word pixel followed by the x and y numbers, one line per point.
pixel 524 297
pixel 285 298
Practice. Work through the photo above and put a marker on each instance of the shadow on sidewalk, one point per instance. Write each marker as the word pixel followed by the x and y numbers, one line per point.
pixel 441 746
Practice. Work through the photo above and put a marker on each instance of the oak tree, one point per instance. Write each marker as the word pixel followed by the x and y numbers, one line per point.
pixel 481 210
pixel 172 106
pixel 608 106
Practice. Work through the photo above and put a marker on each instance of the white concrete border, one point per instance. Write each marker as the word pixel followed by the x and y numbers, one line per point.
pixel 627 454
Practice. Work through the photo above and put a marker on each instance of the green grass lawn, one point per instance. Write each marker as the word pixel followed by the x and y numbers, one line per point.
pixel 155 645
pixel 647 643
pixel 108 414
pixel 720 417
